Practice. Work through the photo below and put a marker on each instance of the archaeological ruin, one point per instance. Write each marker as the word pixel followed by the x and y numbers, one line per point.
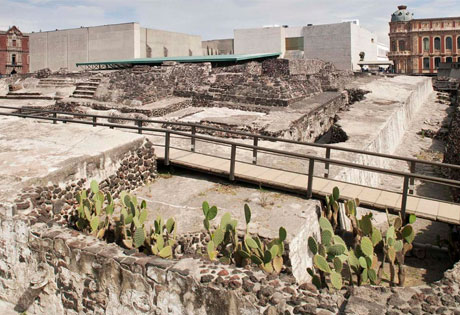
pixel 266 186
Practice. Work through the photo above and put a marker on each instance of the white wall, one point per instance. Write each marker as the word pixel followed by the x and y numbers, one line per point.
pixel 330 42
pixel 64 48
pixel 178 44
pixel 362 40
pixel 260 40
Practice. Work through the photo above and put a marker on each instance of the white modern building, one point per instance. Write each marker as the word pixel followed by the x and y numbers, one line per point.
pixel 339 43
pixel 64 48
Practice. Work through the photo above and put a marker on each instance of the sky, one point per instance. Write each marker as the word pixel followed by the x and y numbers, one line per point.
pixel 212 19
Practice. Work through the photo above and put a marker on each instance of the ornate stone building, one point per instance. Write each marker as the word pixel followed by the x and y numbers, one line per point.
pixel 14 51
pixel 418 46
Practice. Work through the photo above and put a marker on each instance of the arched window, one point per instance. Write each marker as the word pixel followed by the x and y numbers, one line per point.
pixel 402 45
pixel 458 43
pixel 13 59
pixel 449 43
pixel 437 61
pixel 437 43
pixel 426 44
pixel 426 63
pixel 449 59
pixel 393 46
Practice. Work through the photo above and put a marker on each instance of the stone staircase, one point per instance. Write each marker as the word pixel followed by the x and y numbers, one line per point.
pixel 55 83
pixel 86 89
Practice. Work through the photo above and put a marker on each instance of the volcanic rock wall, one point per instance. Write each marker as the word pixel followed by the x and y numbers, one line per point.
pixel 273 82
pixel 452 150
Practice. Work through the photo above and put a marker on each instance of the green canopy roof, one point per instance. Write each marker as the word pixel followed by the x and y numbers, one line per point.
pixel 186 59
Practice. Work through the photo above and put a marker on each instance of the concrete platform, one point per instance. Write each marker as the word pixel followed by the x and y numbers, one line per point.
pixel 182 194
pixel 38 152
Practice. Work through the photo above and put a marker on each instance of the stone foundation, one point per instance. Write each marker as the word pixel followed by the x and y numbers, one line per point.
pixel 452 151
pixel 46 268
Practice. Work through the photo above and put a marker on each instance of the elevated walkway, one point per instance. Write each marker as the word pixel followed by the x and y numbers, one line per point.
pixel 307 184
pixel 372 198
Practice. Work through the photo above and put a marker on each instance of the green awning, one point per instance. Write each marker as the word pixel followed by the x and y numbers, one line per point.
pixel 186 59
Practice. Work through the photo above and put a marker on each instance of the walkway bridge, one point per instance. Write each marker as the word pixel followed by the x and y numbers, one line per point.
pixel 304 183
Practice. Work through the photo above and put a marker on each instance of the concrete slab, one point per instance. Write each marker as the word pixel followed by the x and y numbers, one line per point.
pixel 319 184
pixel 181 196
pixel 427 208
pixel 388 199
pixel 449 213
pixel 369 195
pixel 42 153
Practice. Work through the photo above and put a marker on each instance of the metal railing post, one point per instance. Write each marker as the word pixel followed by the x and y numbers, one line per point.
pixel 254 151
pixel 311 168
pixel 94 121
pixel 232 163
pixel 404 198
pixel 139 125
pixel 412 180
pixel 167 142
pixel 54 116
pixel 192 148
pixel 326 165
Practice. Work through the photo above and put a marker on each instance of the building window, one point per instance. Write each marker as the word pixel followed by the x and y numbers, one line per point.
pixel 13 59
pixel 426 63
pixel 393 46
pixel 437 43
pixel 449 43
pixel 402 45
pixel 437 61
pixel 449 59
pixel 458 42
pixel 294 43
pixel 14 43
pixel 426 44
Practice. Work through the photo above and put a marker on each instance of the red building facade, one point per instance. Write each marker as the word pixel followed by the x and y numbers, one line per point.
pixel 418 46
pixel 14 52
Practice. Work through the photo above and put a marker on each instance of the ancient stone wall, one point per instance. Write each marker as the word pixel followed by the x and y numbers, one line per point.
pixel 136 168
pixel 277 82
pixel 250 68
pixel 47 268
pixel 282 67
pixel 151 84
pixel 452 150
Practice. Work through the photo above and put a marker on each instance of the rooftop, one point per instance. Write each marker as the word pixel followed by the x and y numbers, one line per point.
pixel 184 59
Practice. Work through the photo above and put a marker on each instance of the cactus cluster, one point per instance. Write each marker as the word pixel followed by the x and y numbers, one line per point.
pixel 332 258
pixel 95 215
pixel 226 244
pixel 396 244
pixel 162 238
pixel 331 210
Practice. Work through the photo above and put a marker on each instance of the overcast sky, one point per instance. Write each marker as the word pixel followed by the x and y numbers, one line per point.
pixel 212 19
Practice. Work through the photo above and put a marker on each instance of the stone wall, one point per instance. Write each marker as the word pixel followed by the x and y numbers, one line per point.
pixel 387 140
pixel 115 109
pixel 275 82
pixel 47 268
pixel 136 167
pixel 151 84
pixel 452 150
pixel 282 67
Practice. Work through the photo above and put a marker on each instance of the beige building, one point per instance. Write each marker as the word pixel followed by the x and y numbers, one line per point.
pixel 418 46
pixel 64 48
pixel 339 43
pixel 217 47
